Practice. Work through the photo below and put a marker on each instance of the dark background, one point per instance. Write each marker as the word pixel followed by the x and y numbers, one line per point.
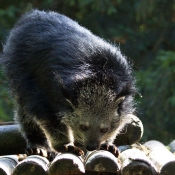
pixel 145 32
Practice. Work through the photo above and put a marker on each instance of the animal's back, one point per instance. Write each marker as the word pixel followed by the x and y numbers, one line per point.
pixel 41 45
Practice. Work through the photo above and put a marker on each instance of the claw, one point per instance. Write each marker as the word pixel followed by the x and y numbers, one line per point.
pixel 73 149
pixel 50 155
pixel 111 148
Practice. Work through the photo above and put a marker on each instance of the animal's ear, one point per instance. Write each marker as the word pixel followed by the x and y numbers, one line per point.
pixel 119 100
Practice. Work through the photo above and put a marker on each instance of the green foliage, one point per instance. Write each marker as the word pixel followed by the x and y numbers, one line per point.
pixel 145 31
pixel 5 101
pixel 159 101
pixel 144 8
pixel 102 6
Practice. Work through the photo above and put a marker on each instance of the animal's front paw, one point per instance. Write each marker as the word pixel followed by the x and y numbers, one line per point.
pixel 111 148
pixel 50 155
pixel 73 149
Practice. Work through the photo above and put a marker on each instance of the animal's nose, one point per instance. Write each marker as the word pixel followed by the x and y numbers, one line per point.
pixel 92 147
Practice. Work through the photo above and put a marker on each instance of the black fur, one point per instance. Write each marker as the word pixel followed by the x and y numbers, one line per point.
pixel 48 59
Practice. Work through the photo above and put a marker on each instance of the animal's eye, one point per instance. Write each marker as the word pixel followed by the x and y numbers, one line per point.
pixel 104 130
pixel 83 127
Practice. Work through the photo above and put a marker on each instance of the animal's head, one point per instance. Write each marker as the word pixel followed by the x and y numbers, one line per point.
pixel 95 119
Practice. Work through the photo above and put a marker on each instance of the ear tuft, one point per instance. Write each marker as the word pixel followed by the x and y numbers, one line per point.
pixel 119 100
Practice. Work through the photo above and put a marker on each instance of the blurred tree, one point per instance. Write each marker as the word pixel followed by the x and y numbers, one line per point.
pixel 145 31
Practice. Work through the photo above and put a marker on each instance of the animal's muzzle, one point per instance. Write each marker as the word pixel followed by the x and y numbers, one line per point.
pixel 92 147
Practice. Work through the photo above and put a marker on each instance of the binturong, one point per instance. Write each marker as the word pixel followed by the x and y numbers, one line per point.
pixel 70 87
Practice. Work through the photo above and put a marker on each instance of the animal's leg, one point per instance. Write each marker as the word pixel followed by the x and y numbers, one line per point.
pixel 37 143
